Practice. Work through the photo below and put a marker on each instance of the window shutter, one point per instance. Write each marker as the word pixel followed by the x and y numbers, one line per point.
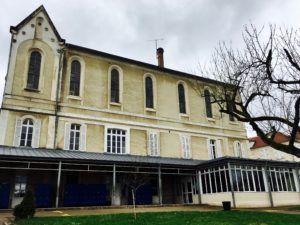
pixel 153 144
pixel 208 149
pixel 235 147
pixel 183 146
pixel 36 133
pixel 67 136
pixel 18 132
pixel 188 147
pixel 244 151
pixel 83 137
pixel 219 148
pixel 157 144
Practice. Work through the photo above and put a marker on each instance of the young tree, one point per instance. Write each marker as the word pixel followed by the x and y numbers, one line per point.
pixel 134 181
pixel 261 83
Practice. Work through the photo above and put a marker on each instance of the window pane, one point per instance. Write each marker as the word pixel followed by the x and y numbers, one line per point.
pixel 219 189
pixel 213 182
pixel 149 93
pixel 181 96
pixel 34 70
pixel 75 78
pixel 223 179
pixel 208 104
pixel 114 88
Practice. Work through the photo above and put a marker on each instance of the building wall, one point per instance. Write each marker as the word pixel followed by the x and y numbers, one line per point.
pixel 270 153
pixel 93 109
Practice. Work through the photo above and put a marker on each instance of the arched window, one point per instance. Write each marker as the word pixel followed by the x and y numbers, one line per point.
pixel 26 133
pixel 149 92
pixel 238 149
pixel 115 86
pixel 230 107
pixel 34 70
pixel 75 78
pixel 208 104
pixel 181 98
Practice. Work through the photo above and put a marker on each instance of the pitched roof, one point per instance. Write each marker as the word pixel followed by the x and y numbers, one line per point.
pixel 259 143
pixel 143 64
pixel 33 14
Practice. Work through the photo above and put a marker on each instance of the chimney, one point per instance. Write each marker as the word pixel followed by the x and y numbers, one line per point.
pixel 160 57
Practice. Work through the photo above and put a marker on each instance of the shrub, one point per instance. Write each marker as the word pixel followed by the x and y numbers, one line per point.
pixel 26 208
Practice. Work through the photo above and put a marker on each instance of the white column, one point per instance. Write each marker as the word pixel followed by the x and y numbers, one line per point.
pixel 58 185
pixel 159 186
pixel 231 186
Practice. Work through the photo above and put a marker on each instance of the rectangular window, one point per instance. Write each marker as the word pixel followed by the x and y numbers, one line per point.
pixel 186 149
pixel 74 137
pixel 281 179
pixel 153 144
pixel 116 141
pixel 20 186
pixel 213 149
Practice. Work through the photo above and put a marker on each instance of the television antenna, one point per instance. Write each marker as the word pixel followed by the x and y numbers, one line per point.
pixel 156 41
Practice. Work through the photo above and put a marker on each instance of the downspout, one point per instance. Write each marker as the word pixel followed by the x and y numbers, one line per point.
pixel 57 97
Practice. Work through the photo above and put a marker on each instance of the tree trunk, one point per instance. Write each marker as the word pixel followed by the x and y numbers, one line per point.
pixel 133 202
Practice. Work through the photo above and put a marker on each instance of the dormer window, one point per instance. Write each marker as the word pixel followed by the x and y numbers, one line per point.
pixel 34 69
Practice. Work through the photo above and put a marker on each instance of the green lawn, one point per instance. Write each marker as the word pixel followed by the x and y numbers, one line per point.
pixel 173 218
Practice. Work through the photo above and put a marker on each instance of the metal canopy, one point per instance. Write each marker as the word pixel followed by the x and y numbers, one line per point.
pixel 21 153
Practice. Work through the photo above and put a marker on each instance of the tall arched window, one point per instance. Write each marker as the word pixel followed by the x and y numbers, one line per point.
pixel 149 92
pixel 181 98
pixel 26 133
pixel 33 76
pixel 208 104
pixel 75 78
pixel 230 107
pixel 115 86
pixel 238 149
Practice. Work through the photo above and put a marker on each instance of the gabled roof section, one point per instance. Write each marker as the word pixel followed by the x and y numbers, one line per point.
pixel 32 15
pixel 259 143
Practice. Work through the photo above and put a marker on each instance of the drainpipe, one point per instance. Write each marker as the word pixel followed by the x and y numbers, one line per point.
pixel 57 97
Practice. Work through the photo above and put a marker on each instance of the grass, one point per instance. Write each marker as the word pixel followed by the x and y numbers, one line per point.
pixel 172 218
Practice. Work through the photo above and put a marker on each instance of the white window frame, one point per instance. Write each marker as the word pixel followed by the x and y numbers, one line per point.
pixel 120 86
pixel 186 146
pixel 238 149
pixel 153 143
pixel 35 133
pixel 41 78
pixel 82 139
pixel 82 76
pixel 186 97
pixel 127 138
pixel 154 91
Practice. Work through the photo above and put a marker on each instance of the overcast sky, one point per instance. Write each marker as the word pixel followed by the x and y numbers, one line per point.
pixel 190 29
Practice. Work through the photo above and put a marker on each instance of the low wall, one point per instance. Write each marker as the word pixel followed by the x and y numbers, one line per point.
pixel 286 198
pixel 216 198
pixel 252 199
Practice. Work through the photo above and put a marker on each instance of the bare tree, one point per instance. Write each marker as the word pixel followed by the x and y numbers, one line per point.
pixel 134 181
pixel 261 83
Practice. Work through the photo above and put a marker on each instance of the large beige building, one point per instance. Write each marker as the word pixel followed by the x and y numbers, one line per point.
pixel 79 125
